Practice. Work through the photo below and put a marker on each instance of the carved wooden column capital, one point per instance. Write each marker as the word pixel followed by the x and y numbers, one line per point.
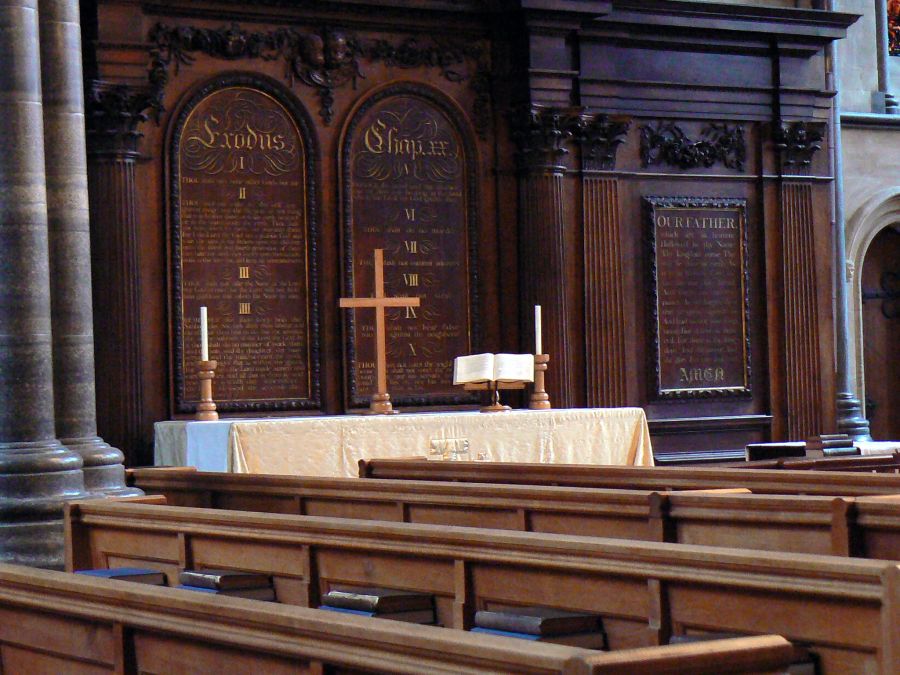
pixel 797 143
pixel 541 135
pixel 114 113
pixel 600 137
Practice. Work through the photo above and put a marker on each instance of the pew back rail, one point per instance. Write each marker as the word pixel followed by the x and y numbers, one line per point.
pixel 57 622
pixel 846 610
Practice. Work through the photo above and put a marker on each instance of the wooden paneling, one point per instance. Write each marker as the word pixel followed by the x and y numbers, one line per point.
pixel 537 83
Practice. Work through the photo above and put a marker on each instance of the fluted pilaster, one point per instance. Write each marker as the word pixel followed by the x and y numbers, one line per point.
pixel 604 292
pixel 545 215
pixel 802 358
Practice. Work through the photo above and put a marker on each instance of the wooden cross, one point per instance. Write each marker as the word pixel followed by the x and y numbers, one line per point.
pixel 381 400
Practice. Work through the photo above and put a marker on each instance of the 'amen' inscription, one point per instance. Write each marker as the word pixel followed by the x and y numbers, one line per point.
pixel 700 297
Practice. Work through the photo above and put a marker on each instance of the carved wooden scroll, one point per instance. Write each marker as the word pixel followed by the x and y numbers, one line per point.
pixel 243 244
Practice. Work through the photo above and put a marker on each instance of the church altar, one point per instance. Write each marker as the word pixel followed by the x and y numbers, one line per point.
pixel 332 446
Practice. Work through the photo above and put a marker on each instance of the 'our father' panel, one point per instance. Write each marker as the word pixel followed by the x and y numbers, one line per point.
pixel 407 183
pixel 700 296
pixel 241 235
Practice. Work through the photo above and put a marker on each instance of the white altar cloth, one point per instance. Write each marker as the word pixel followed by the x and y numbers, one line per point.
pixel 332 446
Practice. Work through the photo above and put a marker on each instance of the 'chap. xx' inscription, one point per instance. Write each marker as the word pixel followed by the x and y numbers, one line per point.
pixel 408 189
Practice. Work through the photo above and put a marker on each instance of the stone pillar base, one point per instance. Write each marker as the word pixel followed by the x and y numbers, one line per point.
pixel 36 480
pixel 849 418
pixel 104 474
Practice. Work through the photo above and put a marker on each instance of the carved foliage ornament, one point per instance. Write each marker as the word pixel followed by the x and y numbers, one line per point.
pixel 541 135
pixel 113 115
pixel 798 142
pixel 600 137
pixel 326 60
pixel 666 143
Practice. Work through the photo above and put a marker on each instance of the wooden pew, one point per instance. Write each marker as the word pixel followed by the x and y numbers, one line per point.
pixel 628 514
pixel 861 463
pixel 53 622
pixel 847 611
pixel 844 526
pixel 760 481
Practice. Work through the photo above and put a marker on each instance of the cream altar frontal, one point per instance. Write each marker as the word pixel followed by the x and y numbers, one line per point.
pixel 333 446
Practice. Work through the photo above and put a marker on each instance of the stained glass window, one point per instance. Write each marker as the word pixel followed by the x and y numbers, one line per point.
pixel 893 10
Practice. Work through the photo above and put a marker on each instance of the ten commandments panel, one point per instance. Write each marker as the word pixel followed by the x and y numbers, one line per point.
pixel 700 302
pixel 241 246
pixel 408 187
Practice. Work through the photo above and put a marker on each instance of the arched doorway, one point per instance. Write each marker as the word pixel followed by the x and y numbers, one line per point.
pixel 880 289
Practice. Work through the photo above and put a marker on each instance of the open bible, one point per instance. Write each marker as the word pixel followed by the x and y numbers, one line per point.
pixel 500 368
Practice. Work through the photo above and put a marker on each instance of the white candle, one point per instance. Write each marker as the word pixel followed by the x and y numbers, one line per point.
pixel 204 336
pixel 537 329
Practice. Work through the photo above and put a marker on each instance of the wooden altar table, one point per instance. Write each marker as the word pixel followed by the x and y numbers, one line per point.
pixel 332 446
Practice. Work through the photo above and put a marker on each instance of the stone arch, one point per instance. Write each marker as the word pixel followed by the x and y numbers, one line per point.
pixel 881 211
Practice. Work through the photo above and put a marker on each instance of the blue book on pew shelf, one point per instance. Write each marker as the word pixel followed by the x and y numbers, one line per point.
pixel 592 640
pixel 423 616
pixel 264 593
pixel 136 574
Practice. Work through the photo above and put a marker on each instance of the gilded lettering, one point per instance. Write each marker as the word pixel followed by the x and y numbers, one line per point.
pixel 211 135
pixel 373 139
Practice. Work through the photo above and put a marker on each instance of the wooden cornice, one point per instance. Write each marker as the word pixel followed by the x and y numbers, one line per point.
pixel 704 20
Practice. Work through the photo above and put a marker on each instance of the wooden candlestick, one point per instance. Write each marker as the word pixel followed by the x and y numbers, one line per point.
pixel 540 399
pixel 206 409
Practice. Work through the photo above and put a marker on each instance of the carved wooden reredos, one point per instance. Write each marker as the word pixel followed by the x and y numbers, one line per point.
pixel 504 156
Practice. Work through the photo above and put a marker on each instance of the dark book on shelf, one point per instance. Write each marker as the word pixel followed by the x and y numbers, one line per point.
pixel 378 600
pixel 224 580
pixel 538 621
pixel 589 640
pixel 830 445
pixel 136 574
pixel 423 616
pixel 264 593
pixel 759 451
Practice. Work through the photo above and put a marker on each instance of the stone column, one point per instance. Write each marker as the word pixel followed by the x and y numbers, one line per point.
pixel 883 101
pixel 70 249
pixel 850 419
pixel 37 473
